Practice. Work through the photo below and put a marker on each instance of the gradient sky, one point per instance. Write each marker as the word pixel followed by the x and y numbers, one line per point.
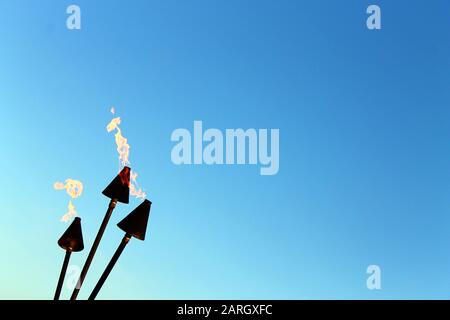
pixel 364 119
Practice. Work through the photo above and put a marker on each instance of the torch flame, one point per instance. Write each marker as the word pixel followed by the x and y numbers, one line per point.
pixel 135 191
pixel 74 189
pixel 71 213
pixel 123 148
pixel 59 186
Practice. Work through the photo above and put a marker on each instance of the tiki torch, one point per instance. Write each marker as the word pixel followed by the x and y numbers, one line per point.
pixel 134 225
pixel 118 191
pixel 71 241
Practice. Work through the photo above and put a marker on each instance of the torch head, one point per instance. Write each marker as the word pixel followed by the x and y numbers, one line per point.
pixel 119 188
pixel 135 223
pixel 72 239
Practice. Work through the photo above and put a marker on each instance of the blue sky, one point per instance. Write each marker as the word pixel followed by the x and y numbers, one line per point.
pixel 364 146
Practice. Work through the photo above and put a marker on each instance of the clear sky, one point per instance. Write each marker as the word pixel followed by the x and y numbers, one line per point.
pixel 364 146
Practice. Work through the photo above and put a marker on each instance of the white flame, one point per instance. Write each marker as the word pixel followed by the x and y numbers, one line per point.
pixel 74 189
pixel 71 213
pixel 123 148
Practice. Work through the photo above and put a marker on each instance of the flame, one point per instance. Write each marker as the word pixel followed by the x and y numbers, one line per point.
pixel 135 191
pixel 71 213
pixel 123 148
pixel 114 124
pixel 59 186
pixel 74 189
pixel 124 175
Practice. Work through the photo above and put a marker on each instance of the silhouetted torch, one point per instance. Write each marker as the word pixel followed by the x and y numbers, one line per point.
pixel 134 225
pixel 118 191
pixel 71 241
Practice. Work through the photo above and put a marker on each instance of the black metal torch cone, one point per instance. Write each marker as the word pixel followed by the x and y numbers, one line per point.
pixel 135 223
pixel 119 188
pixel 72 238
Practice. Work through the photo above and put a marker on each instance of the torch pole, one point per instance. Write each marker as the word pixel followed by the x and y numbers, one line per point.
pixel 87 264
pixel 62 275
pixel 110 266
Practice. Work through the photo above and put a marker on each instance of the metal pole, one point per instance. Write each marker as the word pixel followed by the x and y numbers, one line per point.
pixel 110 266
pixel 62 275
pixel 87 264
